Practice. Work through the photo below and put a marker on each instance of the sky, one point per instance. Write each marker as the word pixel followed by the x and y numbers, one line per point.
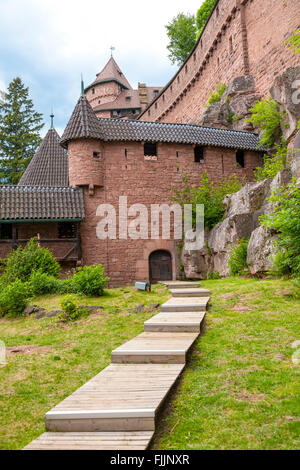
pixel 49 43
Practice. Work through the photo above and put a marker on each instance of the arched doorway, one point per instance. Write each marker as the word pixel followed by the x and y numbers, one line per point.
pixel 160 266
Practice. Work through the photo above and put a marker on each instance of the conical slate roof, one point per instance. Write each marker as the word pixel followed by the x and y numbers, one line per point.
pixel 82 124
pixel 111 72
pixel 49 166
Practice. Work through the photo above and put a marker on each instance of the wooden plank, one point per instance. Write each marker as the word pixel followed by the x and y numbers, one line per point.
pixel 185 304
pixel 175 322
pixel 190 292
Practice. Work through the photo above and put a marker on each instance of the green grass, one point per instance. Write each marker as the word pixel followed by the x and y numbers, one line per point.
pixel 62 357
pixel 241 389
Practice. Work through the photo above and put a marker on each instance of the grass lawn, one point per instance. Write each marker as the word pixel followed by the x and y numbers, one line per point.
pixel 56 358
pixel 241 389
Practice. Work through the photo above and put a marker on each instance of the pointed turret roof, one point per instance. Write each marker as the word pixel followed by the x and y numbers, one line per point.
pixel 111 72
pixel 83 123
pixel 49 166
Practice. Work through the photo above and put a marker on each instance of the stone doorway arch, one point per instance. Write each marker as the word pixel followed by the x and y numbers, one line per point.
pixel 160 266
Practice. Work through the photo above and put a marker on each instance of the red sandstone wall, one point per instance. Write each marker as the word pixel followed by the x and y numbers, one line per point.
pixel 104 93
pixel 146 182
pixel 257 29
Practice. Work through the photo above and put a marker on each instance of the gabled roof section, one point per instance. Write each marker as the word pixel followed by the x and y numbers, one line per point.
pixel 36 203
pixel 111 72
pixel 140 131
pixel 49 166
pixel 83 123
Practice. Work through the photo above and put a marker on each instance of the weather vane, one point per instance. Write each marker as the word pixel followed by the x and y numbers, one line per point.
pixel 112 49
pixel 52 117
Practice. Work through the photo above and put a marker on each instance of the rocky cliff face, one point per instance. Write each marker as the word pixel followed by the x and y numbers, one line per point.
pixel 241 221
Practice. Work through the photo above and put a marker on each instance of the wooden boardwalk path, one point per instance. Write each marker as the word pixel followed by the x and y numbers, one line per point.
pixel 117 409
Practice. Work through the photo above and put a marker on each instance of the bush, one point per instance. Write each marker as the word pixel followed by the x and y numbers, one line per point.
pixel 213 276
pixel 89 280
pixel 70 310
pixel 238 258
pixel 41 283
pixel 21 263
pixel 267 115
pixel 285 220
pixel 281 263
pixel 273 164
pixel 14 298
pixel 216 97
pixel 210 194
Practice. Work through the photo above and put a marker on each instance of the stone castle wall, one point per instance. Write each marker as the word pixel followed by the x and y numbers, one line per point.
pixel 242 37
pixel 126 172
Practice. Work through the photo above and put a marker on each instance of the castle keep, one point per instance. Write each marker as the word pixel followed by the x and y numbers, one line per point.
pixel 106 154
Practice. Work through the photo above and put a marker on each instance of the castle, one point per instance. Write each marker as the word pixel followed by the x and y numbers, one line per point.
pixel 101 159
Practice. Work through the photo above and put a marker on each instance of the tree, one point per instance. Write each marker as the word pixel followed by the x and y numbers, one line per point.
pixel 20 125
pixel 294 42
pixel 203 14
pixel 2 96
pixel 182 34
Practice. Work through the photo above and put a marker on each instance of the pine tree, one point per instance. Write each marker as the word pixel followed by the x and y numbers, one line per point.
pixel 20 125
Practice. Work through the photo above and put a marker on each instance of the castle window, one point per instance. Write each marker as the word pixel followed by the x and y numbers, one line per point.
pixel 217 11
pixel 186 69
pixel 93 91
pixel 96 155
pixel 156 92
pixel 6 231
pixel 178 79
pixel 128 98
pixel 163 97
pixel 199 154
pixel 150 149
pixel 230 45
pixel 195 57
pixel 67 230
pixel 171 88
pixel 218 62
pixel 240 159
pixel 155 105
pixel 149 112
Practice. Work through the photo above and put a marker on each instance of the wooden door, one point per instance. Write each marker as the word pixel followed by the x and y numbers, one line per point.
pixel 160 266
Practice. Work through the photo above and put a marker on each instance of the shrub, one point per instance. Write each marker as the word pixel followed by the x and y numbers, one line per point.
pixel 281 264
pixel 267 115
pixel 285 220
pixel 273 164
pixel 21 263
pixel 14 298
pixel 238 258
pixel 210 194
pixel 42 283
pixel 213 276
pixel 70 310
pixel 216 97
pixel 89 280
pixel 294 42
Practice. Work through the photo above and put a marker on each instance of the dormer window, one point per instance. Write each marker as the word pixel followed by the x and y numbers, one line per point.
pixel 150 149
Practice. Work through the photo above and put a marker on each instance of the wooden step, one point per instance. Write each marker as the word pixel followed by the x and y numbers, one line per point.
pixel 130 440
pixel 180 284
pixel 123 397
pixel 175 322
pixel 159 348
pixel 185 304
pixel 189 292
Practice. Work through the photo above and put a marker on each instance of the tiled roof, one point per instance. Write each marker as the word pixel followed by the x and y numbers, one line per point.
pixel 83 123
pixel 49 166
pixel 111 72
pixel 21 203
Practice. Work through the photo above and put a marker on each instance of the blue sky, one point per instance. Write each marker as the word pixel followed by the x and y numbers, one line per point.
pixel 49 43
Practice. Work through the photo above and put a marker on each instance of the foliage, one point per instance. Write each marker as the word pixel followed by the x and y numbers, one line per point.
pixel 267 115
pixel 274 163
pixel 238 258
pixel 281 264
pixel 181 32
pixel 285 220
pixel 208 193
pixel 14 298
pixel 70 310
pixel 89 280
pixel 20 127
pixel 203 14
pixel 213 276
pixel 21 263
pixel 43 283
pixel 216 97
pixel 294 42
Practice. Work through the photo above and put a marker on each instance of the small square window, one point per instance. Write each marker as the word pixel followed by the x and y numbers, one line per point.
pixel 96 155
pixel 199 154
pixel 240 159
pixel 128 98
pixel 5 231
pixel 150 149
pixel 67 230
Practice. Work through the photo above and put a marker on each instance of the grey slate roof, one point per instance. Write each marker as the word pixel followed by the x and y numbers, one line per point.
pixel 32 203
pixel 49 166
pixel 84 124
